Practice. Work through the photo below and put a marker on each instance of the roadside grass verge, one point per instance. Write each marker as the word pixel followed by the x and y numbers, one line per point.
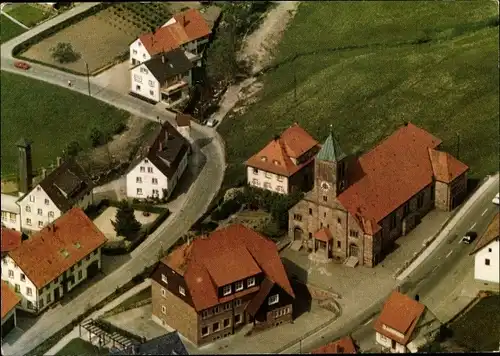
pixel 51 116
pixel 28 14
pixel 371 66
pixel 9 29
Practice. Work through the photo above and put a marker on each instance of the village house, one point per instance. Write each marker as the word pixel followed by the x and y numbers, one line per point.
pixel 11 212
pixel 68 185
pixel 159 164
pixel 9 302
pixel 358 207
pixel 189 31
pixel 342 346
pixel 487 253
pixel 54 260
pixel 286 164
pixel 211 287
pixel 404 325
pixel 166 77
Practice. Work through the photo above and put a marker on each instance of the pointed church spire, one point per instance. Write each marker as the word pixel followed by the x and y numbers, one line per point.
pixel 331 151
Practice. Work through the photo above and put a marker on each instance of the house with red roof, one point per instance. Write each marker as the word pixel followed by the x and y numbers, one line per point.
pixel 211 287
pixel 189 30
pixel 405 324
pixel 342 346
pixel 359 206
pixel 54 260
pixel 11 239
pixel 9 302
pixel 286 163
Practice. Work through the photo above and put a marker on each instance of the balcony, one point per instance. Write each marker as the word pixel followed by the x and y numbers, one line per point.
pixel 174 86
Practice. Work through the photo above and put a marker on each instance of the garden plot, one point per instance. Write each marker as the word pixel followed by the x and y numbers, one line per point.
pixel 104 38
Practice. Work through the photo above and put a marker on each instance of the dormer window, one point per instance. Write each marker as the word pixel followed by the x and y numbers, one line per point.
pixel 263 159
pixel 274 299
pixel 251 282
pixel 238 286
pixel 226 290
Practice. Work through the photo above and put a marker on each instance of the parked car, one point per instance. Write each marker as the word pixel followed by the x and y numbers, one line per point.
pixel 496 199
pixel 22 65
pixel 468 237
pixel 212 122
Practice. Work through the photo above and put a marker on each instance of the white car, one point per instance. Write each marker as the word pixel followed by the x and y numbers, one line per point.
pixel 212 122
pixel 496 199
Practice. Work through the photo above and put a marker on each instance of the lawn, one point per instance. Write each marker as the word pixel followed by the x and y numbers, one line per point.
pixel 79 346
pixel 366 67
pixel 479 328
pixel 9 29
pixel 103 38
pixel 29 15
pixel 51 116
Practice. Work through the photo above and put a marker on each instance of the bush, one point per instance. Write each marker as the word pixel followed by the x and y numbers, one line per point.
pixel 226 209
pixel 72 149
pixel 63 52
pixel 96 137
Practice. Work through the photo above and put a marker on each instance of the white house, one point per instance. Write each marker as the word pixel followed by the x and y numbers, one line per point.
pixel 9 302
pixel 159 164
pixel 165 77
pixel 11 212
pixel 65 187
pixel 189 30
pixel 487 254
pixel 403 332
pixel 284 164
pixel 54 260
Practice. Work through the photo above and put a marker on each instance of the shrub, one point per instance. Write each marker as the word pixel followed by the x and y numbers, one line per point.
pixel 118 128
pixel 96 137
pixel 226 209
pixel 72 149
pixel 63 52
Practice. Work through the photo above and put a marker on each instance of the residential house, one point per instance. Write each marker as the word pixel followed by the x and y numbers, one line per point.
pixel 165 77
pixel 159 164
pixel 404 325
pixel 189 31
pixel 487 254
pixel 285 164
pixel 11 213
pixel 168 344
pixel 11 239
pixel 9 302
pixel 54 260
pixel 67 186
pixel 211 287
pixel 358 207
pixel 183 125
pixel 342 346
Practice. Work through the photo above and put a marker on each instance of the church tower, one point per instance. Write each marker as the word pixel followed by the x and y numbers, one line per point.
pixel 330 170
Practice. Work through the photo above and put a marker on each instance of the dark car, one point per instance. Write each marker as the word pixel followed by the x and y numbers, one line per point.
pixel 469 237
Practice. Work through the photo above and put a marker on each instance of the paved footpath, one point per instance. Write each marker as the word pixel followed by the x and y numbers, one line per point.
pixel 198 197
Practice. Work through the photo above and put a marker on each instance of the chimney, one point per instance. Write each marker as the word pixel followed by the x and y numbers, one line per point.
pixel 276 137
pixel 25 179
pixel 44 173
pixel 59 161
pixel 417 297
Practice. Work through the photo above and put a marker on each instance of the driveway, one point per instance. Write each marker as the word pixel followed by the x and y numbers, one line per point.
pixel 197 198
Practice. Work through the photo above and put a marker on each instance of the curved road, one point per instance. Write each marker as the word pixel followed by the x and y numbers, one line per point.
pixel 202 191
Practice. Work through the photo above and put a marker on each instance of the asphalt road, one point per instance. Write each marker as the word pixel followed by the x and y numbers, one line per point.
pixel 439 265
pixel 209 147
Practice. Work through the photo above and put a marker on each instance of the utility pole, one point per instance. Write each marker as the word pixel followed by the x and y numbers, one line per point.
pixel 88 76
pixel 458 145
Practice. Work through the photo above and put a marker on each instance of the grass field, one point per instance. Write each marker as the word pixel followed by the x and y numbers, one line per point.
pixel 366 67
pixel 29 15
pixel 9 29
pixel 51 116
pixel 102 38
pixel 81 347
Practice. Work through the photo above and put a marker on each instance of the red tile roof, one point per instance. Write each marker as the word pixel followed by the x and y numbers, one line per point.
pixel 491 233
pixel 52 251
pixel 276 156
pixel 446 167
pixel 226 256
pixel 189 26
pixel 9 299
pixel 392 172
pixel 400 313
pixel 11 239
pixel 323 234
pixel 342 346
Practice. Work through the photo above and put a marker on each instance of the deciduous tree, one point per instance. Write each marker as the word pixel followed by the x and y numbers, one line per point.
pixel 63 52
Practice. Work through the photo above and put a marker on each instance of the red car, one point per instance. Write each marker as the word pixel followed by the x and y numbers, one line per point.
pixel 22 65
